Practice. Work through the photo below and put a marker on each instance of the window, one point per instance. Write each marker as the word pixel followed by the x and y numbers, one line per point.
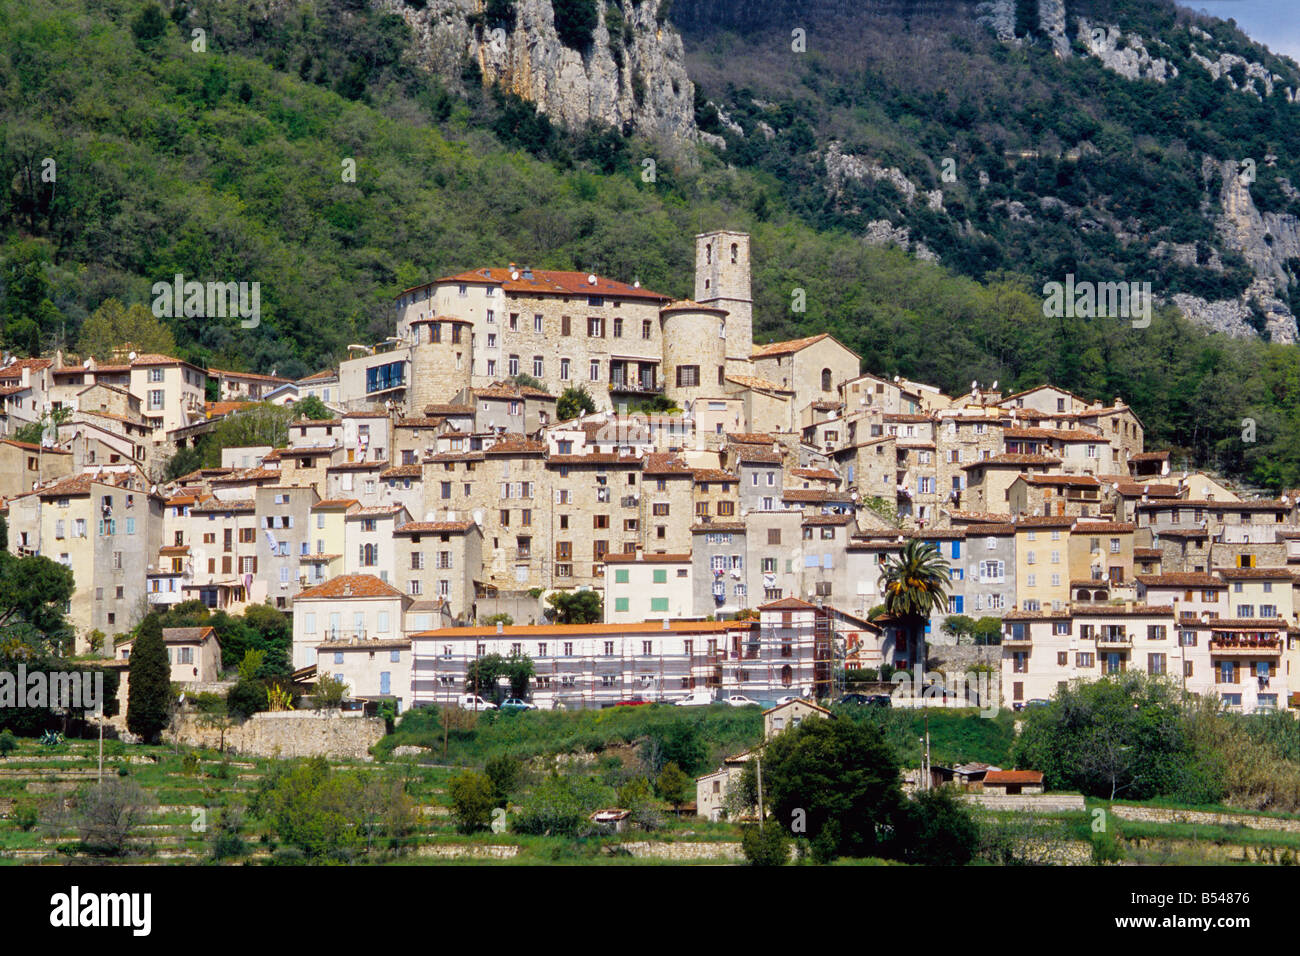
pixel 645 329
pixel 688 376
pixel 595 370
pixel 773 535
pixel 660 576
pixel 659 605
pixel 595 328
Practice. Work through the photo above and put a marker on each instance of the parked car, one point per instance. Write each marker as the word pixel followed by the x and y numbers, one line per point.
pixel 632 702
pixel 1037 702
pixel 740 700
pixel 474 702
pixel 868 700
pixel 696 699
pixel 787 698
pixel 516 703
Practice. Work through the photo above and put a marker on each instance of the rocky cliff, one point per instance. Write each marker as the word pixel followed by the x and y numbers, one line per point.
pixel 626 70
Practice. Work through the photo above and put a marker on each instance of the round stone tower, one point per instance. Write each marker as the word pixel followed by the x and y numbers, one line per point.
pixel 441 360
pixel 695 341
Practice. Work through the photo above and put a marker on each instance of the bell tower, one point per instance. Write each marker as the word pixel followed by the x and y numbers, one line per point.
pixel 722 282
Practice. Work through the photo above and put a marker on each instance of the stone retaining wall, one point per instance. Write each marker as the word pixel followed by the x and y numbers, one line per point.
pixel 1205 817
pixel 292 733
pixel 1040 803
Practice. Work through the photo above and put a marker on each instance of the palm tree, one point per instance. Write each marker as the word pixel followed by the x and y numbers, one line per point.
pixel 915 584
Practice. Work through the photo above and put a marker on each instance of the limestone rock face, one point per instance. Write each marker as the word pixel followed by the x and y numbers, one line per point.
pixel 1267 240
pixel 629 75
pixel 1123 53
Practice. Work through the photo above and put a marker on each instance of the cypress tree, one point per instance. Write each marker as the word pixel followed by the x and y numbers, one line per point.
pixel 149 693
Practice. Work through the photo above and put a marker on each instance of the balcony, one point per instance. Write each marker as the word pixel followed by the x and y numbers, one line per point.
pixel 1114 642
pixel 1230 644
pixel 634 387
pixel 1017 641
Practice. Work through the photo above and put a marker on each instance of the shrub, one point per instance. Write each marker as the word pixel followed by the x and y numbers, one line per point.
pixel 765 846
pixel 472 800
pixel 245 699
pixel 8 742
pixel 25 816
pixel 503 772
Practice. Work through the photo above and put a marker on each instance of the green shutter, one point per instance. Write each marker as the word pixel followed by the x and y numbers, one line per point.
pixel 661 577
pixel 659 604
pixel 620 576
pixel 620 604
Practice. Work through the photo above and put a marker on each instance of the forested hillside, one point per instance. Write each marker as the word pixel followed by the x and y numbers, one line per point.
pixel 228 164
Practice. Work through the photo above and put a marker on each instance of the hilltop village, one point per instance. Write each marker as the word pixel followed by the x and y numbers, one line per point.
pixel 731 503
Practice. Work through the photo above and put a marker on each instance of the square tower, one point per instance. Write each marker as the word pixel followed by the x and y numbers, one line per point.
pixel 722 282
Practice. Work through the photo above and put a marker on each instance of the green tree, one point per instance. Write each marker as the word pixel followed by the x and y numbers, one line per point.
pixel 472 800
pixel 577 607
pixel 915 585
pixel 936 829
pixel 311 807
pixel 834 772
pixel 149 26
pixel 8 742
pixel 114 329
pixel 575 21
pixel 573 402
pixel 504 772
pixel 674 785
pixel 524 380
pixel 148 708
pixel 958 626
pixel 34 590
pixel 329 692
pixel 483 675
pixel 313 409
pixel 251 666
pixel 519 670
pixel 987 630
pixel 1122 735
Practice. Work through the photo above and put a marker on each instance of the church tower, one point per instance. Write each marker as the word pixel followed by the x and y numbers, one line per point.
pixel 722 282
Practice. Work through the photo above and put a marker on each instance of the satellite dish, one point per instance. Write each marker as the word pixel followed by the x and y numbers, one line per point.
pixel 86 364
pixel 974 385
pixel 478 515
pixel 995 385
pixel 131 356
pixel 514 275
pixel 591 279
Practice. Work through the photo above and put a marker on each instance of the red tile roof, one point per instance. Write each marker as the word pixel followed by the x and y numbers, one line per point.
pixel 549 282
pixel 351 585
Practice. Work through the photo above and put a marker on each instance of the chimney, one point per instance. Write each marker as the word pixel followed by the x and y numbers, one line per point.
pixel 666 627
pixel 501 628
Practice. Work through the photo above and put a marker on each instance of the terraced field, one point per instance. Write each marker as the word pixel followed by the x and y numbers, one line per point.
pixel 189 794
